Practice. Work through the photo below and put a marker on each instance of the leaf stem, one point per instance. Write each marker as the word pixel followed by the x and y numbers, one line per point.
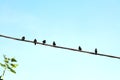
pixel 4 71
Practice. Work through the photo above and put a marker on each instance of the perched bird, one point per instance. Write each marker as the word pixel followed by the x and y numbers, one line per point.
pixel 44 41
pixel 35 41
pixel 79 48
pixel 95 50
pixel 23 38
pixel 54 44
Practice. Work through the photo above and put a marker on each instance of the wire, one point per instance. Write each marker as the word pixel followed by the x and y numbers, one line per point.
pixel 93 53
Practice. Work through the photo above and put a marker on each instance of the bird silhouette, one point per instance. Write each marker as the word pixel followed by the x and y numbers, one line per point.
pixel 44 41
pixel 35 41
pixel 79 48
pixel 23 38
pixel 54 44
pixel 95 50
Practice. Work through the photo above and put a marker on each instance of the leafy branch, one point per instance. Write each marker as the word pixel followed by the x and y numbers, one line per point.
pixel 9 64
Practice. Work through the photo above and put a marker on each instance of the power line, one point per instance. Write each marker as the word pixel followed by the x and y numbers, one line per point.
pixel 19 39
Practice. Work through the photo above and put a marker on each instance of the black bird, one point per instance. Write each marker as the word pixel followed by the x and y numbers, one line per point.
pixel 23 38
pixel 95 50
pixel 79 48
pixel 44 41
pixel 35 41
pixel 54 44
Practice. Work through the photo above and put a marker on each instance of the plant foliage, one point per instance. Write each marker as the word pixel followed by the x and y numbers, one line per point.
pixel 8 64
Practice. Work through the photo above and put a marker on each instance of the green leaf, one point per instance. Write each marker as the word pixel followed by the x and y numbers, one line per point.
pixel 13 71
pixel 3 65
pixel 14 65
pixel 6 60
pixel 13 60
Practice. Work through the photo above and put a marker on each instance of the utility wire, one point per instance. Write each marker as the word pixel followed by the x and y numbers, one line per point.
pixel 93 53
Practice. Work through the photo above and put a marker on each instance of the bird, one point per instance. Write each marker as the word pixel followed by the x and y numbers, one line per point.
pixel 44 41
pixel 95 50
pixel 23 38
pixel 54 44
pixel 35 41
pixel 79 48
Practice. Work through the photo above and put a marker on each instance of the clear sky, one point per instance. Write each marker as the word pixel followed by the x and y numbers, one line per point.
pixel 88 23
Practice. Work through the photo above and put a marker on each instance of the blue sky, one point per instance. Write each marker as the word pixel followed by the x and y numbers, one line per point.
pixel 88 23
